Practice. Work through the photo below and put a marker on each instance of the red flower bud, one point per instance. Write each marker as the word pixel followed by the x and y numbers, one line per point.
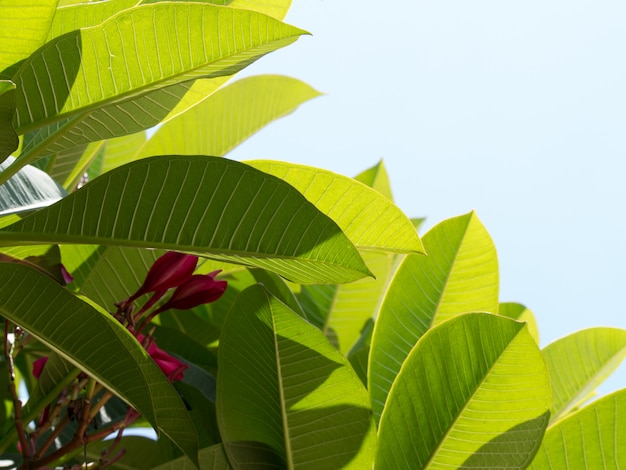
pixel 171 367
pixel 199 289
pixel 170 270
pixel 38 366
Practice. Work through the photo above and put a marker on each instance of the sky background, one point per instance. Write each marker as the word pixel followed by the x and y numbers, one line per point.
pixel 514 109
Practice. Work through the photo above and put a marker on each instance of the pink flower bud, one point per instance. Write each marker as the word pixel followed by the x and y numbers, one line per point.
pixel 67 277
pixel 199 289
pixel 170 270
pixel 171 367
pixel 38 366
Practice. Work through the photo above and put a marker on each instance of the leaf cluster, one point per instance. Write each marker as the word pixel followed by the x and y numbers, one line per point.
pixel 344 339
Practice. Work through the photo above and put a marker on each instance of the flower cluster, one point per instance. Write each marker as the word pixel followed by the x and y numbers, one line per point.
pixel 171 272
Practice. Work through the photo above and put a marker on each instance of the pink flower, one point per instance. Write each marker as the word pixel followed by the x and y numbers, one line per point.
pixel 38 366
pixel 170 270
pixel 171 367
pixel 197 290
pixel 67 277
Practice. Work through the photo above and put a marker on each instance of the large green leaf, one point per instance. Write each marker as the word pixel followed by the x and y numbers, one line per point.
pixel 351 305
pixel 276 8
pixel 282 386
pixel 8 137
pixel 520 313
pixel 579 363
pixel 72 17
pixel 65 85
pixel 23 28
pixel 459 275
pixel 95 342
pixel 29 189
pixel 591 438
pixel 369 219
pixel 377 178
pixel 211 458
pixel 229 116
pixel 206 205
pixel 473 393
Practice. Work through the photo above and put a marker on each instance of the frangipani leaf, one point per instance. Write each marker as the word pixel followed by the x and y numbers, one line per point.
pixel 229 116
pixel 95 342
pixel 27 190
pixel 23 28
pixel 211 458
pixel 9 141
pixel 473 393
pixel 369 219
pixel 215 207
pixel 282 386
pixel 276 8
pixel 377 178
pixel 579 363
pixel 459 275
pixel 590 438
pixel 353 304
pixel 520 312
pixel 118 98
pixel 72 17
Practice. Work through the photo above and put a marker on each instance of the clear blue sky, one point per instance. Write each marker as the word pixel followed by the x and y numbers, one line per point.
pixel 514 109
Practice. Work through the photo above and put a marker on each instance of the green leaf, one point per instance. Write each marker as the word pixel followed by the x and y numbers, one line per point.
pixel 65 83
pixel 70 166
pixel 377 178
pixel 591 438
pixel 355 303
pixel 276 8
pixel 23 28
pixel 96 343
pixel 459 275
pixel 45 258
pixel 241 215
pixel 9 141
pixel 140 454
pixel 369 219
pixel 579 363
pixel 281 385
pixel 520 313
pixel 211 458
pixel 29 189
pixel 72 17
pixel 229 116
pixel 473 393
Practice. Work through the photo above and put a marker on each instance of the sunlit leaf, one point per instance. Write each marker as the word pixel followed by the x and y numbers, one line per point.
pixel 29 189
pixel 214 207
pixel 283 386
pixel 579 363
pixel 591 438
pixel 520 313
pixel 118 99
pixel 228 116
pixel 96 343
pixel 473 393
pixel 23 28
pixel 377 178
pixel 369 219
pixel 459 275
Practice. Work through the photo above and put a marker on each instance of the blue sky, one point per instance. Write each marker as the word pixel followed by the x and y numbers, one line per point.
pixel 514 109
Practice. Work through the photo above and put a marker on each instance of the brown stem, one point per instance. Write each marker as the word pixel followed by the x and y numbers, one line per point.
pixel 50 440
pixel 17 404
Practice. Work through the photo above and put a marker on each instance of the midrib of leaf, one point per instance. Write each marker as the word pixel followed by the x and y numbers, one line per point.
pixel 281 391
pixel 478 387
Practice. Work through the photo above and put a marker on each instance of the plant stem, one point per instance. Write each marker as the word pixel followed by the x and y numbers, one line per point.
pixel 17 404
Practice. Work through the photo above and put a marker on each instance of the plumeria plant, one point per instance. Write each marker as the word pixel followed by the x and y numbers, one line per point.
pixel 253 315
